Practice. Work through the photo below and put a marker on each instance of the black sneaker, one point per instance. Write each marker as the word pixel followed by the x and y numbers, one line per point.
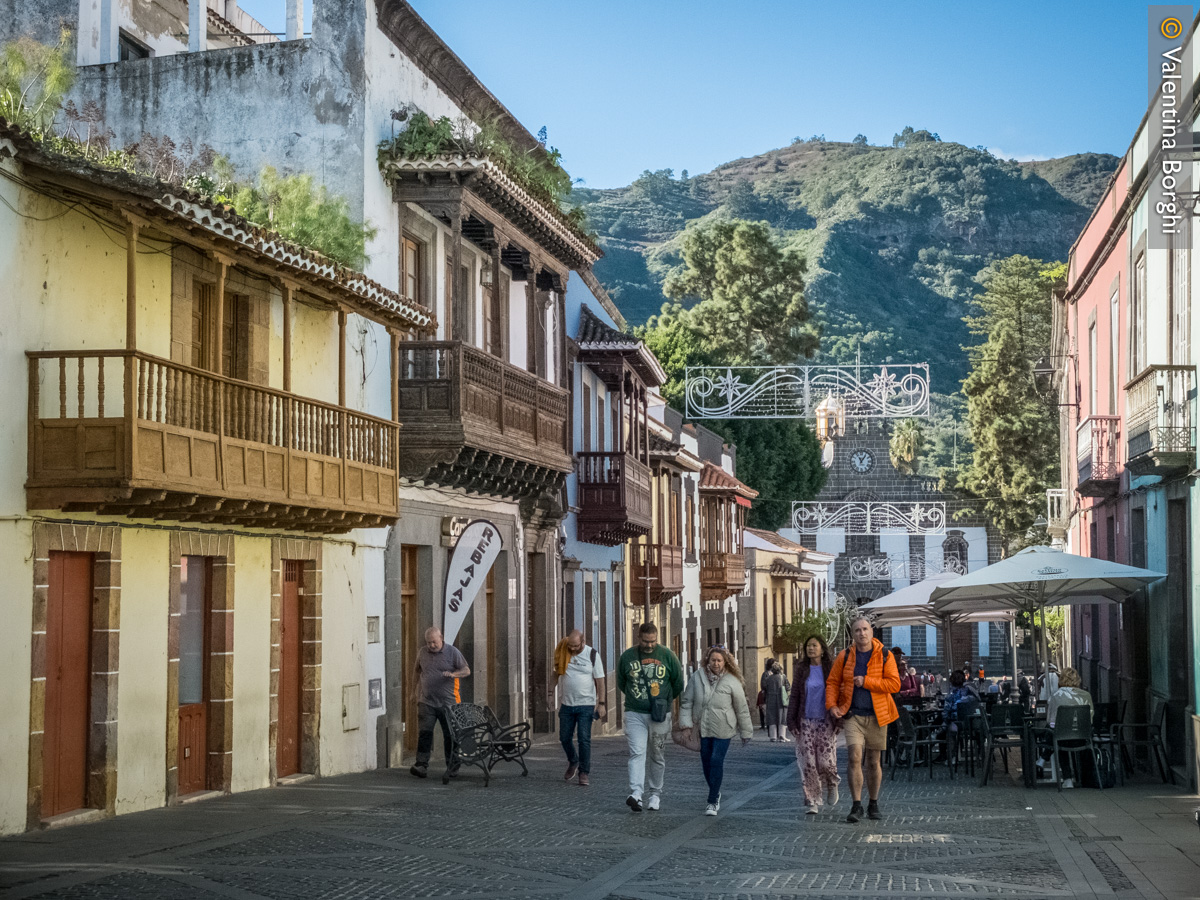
pixel 452 772
pixel 419 771
pixel 856 812
pixel 873 811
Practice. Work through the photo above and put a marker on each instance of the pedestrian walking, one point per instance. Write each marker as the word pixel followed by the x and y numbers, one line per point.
pixel 809 721
pixel 582 694
pixel 859 694
pixel 776 706
pixel 715 706
pixel 649 677
pixel 436 684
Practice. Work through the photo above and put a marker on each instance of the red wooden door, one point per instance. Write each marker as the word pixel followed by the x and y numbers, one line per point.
pixel 195 611
pixel 287 747
pixel 68 657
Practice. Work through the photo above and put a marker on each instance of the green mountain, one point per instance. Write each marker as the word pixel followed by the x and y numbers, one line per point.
pixel 894 236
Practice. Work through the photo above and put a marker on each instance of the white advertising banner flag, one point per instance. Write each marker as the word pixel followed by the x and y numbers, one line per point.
pixel 472 559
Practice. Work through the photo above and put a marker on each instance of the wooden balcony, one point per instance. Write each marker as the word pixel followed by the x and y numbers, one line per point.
pixel 657 570
pixel 1097 440
pixel 614 498
pixel 722 575
pixel 125 433
pixel 475 422
pixel 1160 421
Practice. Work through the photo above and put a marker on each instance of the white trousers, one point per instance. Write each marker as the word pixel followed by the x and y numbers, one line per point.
pixel 646 738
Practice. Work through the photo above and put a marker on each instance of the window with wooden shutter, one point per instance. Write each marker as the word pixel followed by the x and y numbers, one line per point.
pixel 202 323
pixel 235 357
pixel 411 276
pixel 489 321
pixel 448 314
pixel 587 418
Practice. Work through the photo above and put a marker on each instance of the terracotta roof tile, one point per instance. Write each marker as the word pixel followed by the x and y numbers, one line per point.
pixel 714 478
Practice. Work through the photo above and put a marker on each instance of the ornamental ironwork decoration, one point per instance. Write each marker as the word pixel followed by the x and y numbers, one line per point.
pixel 793 392
pixel 897 565
pixel 869 517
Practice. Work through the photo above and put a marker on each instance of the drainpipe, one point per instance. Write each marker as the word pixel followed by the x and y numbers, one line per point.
pixel 109 32
pixel 295 20
pixel 197 26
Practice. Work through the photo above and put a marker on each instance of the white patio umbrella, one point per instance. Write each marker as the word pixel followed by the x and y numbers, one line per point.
pixel 910 605
pixel 1038 577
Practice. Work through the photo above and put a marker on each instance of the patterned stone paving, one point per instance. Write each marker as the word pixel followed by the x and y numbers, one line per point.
pixel 385 834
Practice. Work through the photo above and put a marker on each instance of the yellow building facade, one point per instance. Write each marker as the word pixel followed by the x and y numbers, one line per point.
pixel 194 494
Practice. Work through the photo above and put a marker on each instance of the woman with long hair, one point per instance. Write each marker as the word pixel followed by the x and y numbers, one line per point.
pixel 808 720
pixel 714 702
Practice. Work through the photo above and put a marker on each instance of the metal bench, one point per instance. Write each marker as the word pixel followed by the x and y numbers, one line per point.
pixel 480 740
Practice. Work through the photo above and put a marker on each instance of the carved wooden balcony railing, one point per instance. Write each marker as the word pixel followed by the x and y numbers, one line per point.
pixel 1160 420
pixel 657 570
pixel 614 497
pixel 126 433
pixel 476 422
pixel 1097 440
pixel 722 575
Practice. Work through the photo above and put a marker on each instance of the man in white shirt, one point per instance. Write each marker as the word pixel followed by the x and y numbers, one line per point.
pixel 582 695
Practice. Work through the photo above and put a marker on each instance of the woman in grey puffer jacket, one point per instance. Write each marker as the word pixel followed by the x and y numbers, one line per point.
pixel 715 703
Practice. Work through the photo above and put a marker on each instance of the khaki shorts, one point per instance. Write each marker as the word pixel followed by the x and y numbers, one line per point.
pixel 860 730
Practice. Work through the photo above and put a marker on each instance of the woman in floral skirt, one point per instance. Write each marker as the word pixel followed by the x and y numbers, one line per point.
pixel 808 720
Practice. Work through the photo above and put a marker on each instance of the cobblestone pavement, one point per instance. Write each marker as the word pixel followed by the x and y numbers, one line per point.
pixel 386 834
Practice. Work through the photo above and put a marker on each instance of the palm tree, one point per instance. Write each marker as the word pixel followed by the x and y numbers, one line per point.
pixel 905 446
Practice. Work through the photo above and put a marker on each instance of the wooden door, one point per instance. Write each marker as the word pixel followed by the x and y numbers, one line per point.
pixel 68 654
pixel 195 612
pixel 410 643
pixel 287 747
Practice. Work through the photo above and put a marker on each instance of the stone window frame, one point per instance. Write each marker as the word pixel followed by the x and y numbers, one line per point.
pixel 104 541
pixel 219 766
pixel 311 553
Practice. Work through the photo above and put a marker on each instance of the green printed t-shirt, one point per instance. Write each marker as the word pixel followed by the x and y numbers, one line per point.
pixel 641 676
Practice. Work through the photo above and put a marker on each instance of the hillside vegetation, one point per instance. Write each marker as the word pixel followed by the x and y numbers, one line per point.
pixel 894 236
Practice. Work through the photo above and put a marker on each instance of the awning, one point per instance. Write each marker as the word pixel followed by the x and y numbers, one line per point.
pixel 781 569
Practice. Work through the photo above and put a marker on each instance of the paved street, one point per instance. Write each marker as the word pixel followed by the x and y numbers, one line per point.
pixel 385 834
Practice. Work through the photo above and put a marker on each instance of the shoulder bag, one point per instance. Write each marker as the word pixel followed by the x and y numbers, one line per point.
pixel 690 737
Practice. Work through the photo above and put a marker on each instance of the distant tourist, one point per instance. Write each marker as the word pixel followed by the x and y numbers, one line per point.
pixel 859 694
pixel 776 707
pixel 715 704
pixel 438 670
pixel 910 685
pixel 650 677
pixel 1048 683
pixel 810 722
pixel 1069 693
pixel 582 696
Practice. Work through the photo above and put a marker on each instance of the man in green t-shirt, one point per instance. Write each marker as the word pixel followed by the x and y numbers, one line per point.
pixel 647 673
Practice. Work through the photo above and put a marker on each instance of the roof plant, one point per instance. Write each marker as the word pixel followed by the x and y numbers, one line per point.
pixel 34 80
pixel 539 172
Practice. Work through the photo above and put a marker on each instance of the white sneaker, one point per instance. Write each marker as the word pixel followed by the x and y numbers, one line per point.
pixel 710 810
pixel 718 803
pixel 831 795
pixel 634 802
pixel 812 810
pixel 1068 783
pixel 652 802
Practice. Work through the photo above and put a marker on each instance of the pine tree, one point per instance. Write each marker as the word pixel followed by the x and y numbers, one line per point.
pixel 1013 424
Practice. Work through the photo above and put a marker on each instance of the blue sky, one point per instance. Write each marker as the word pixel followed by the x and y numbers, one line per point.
pixel 627 85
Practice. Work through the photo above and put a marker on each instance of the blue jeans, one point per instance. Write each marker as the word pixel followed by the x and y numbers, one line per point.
pixel 712 758
pixel 570 718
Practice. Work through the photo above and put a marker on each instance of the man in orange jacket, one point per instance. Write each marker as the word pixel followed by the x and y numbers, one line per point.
pixel 858 694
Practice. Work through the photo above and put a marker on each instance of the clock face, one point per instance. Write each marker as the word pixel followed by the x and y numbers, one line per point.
pixel 862 461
